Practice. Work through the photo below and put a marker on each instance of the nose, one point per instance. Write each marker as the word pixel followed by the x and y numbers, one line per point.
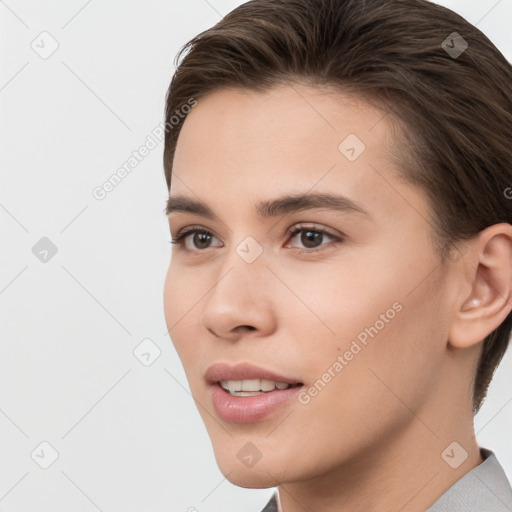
pixel 239 303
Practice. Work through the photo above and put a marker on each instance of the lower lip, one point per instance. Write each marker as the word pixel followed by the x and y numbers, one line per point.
pixel 249 409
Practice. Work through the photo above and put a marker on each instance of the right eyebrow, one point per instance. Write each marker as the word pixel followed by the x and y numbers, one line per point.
pixel 184 204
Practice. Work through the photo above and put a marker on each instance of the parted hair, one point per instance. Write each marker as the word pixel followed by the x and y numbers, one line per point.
pixel 445 85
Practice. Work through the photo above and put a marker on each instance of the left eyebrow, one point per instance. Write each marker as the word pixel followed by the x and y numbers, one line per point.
pixel 309 201
pixel 281 206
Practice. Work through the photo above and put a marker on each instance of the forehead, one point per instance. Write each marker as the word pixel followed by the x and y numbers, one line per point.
pixel 293 112
pixel 238 147
pixel 285 126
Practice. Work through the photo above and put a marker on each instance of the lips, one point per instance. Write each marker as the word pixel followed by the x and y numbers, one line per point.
pixel 244 371
pixel 248 407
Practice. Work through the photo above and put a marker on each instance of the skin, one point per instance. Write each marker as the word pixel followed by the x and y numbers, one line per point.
pixel 372 438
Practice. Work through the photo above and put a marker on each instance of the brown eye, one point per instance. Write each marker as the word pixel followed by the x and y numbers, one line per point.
pixel 201 240
pixel 195 240
pixel 311 239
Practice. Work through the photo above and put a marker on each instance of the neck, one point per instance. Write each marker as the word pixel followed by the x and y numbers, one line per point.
pixel 407 472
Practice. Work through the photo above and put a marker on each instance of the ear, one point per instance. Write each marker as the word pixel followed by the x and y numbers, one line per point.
pixel 488 276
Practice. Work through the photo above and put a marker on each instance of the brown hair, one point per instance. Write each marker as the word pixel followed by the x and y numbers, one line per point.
pixel 454 103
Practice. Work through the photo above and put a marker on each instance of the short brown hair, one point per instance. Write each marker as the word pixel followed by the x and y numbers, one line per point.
pixel 454 102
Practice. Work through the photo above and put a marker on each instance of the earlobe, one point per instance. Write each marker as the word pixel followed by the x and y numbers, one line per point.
pixel 485 307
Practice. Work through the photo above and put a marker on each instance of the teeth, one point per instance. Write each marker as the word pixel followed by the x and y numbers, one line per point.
pixel 232 385
pixel 251 387
pixel 269 385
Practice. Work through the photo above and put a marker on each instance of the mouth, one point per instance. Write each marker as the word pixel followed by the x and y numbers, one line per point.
pixel 246 394
pixel 254 387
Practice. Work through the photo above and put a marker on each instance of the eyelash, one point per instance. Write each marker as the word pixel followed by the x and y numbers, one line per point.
pixel 179 239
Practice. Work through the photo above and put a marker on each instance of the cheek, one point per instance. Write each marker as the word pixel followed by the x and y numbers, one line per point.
pixel 372 320
pixel 181 296
pixel 357 389
pixel 171 303
pixel 184 288
pixel 339 300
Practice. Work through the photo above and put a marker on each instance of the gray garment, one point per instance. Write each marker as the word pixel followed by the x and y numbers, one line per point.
pixel 483 489
pixel 271 506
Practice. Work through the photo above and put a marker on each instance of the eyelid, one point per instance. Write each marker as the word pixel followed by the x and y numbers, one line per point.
pixel 299 226
pixel 191 228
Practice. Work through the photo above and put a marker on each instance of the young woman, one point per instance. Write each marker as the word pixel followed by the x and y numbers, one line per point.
pixel 339 291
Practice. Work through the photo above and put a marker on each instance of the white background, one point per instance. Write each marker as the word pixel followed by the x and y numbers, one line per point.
pixel 129 437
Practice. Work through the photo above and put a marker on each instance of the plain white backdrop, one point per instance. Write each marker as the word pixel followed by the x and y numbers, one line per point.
pixel 82 85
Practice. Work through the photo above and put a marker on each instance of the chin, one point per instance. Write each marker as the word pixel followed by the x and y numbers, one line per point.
pixel 250 478
pixel 247 466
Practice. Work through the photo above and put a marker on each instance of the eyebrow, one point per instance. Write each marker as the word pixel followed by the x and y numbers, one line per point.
pixel 281 206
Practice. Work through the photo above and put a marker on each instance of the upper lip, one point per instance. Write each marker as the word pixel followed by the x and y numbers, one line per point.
pixel 243 371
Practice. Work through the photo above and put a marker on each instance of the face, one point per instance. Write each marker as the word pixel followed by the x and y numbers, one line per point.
pixel 303 258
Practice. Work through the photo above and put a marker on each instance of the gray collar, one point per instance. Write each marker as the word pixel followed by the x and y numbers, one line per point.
pixel 483 489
